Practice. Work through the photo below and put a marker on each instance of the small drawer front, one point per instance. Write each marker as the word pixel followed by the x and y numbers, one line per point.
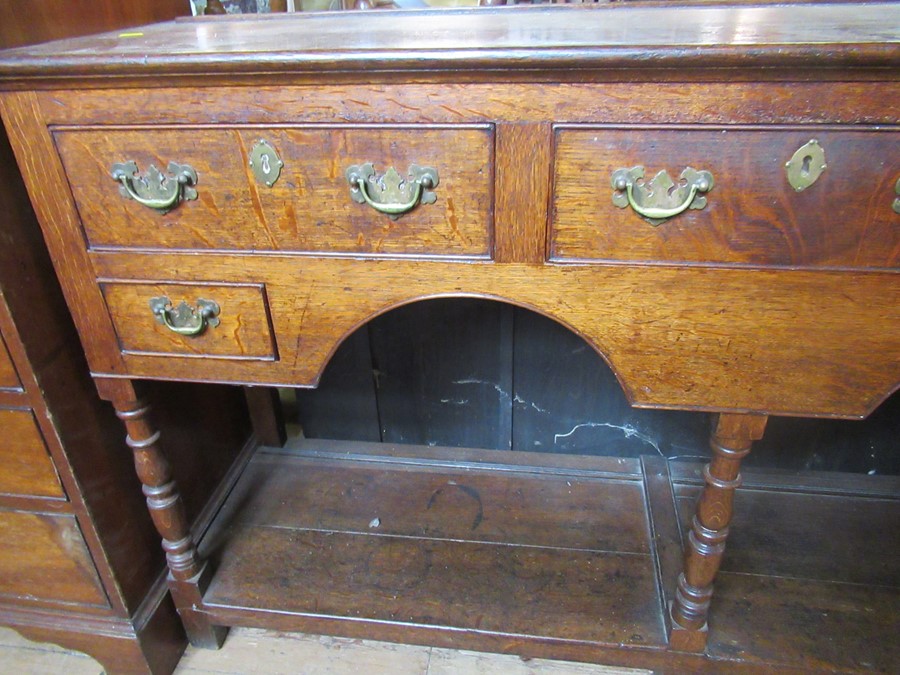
pixel 309 206
pixel 8 377
pixel 752 214
pixel 218 321
pixel 25 464
pixel 44 557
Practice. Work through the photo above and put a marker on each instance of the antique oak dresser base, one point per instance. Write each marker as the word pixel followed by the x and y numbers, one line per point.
pixel 226 201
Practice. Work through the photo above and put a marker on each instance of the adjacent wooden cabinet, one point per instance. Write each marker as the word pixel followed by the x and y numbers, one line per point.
pixel 80 561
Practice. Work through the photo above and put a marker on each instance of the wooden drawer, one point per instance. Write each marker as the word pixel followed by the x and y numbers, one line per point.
pixel 752 216
pixel 44 557
pixel 241 328
pixel 8 377
pixel 25 464
pixel 309 208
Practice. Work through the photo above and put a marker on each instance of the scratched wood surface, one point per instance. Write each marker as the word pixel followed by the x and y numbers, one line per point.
pixel 308 209
pixel 752 215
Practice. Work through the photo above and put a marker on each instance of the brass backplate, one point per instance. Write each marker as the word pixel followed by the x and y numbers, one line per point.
pixel 805 167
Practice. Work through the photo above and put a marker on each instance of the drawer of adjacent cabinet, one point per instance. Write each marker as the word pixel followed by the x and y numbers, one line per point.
pixel 44 557
pixel 25 464
pixel 349 189
pixel 224 321
pixel 805 197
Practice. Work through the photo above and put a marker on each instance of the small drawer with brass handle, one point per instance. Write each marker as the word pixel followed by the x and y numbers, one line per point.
pixel 211 320
pixel 756 196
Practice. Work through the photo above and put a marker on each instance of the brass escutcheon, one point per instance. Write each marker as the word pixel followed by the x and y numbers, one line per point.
pixel 806 165
pixel 265 162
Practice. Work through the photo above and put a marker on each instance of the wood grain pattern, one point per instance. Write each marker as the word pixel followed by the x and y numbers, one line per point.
pixel 308 209
pixel 676 337
pixel 25 464
pixel 795 102
pixel 243 330
pixel 522 192
pixel 753 215
pixel 45 557
pixel 8 377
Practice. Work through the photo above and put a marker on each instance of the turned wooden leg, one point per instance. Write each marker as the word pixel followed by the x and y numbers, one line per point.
pixel 731 441
pixel 188 573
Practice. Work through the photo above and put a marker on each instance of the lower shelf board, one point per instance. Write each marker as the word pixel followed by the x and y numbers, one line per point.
pixel 560 557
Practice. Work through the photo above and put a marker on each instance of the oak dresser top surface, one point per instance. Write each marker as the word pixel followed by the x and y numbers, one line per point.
pixel 496 39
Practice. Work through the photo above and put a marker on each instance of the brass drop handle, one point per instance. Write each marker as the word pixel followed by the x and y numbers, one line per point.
pixel 897 200
pixel 394 195
pixel 660 198
pixel 184 319
pixel 156 190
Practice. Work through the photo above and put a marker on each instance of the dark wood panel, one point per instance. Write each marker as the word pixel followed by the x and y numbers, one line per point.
pixel 528 507
pixel 343 406
pixel 568 400
pixel 443 374
pixel 601 597
pixel 827 627
pixel 823 538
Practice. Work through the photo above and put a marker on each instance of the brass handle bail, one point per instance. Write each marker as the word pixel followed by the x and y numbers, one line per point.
pixel 156 190
pixel 184 319
pixel 392 194
pixel 661 198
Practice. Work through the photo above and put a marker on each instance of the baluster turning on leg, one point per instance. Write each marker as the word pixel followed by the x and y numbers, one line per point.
pixel 188 573
pixel 731 441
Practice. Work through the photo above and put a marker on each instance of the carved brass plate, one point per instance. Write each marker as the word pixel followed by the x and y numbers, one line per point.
pixel 805 167
pixel 156 190
pixel 391 193
pixel 184 319
pixel 265 162
pixel 660 198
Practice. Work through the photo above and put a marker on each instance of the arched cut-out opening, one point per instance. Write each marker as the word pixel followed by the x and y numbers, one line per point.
pixel 468 372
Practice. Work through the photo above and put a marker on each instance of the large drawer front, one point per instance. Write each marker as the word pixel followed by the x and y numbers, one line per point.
pixel 44 557
pixel 8 377
pixel 240 328
pixel 25 464
pixel 752 215
pixel 309 208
